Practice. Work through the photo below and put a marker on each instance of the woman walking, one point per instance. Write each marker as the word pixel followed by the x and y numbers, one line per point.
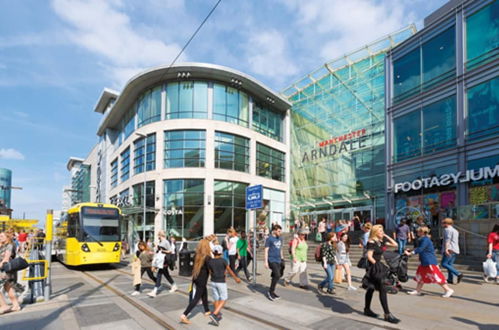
pixel 343 256
pixel 428 271
pixel 328 250
pixel 376 272
pixel 163 247
pixel 299 249
pixel 7 280
pixel 145 256
pixel 199 280
pixel 493 249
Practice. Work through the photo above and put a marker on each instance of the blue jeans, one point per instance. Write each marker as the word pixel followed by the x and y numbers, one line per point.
pixel 495 257
pixel 401 243
pixel 329 277
pixel 448 263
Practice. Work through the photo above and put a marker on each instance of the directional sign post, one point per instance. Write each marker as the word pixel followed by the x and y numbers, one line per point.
pixel 254 200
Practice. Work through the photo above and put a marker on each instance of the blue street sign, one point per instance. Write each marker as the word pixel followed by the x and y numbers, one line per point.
pixel 254 197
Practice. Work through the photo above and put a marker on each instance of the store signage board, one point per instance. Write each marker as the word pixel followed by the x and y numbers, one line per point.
pixel 254 197
pixel 483 173
pixel 337 145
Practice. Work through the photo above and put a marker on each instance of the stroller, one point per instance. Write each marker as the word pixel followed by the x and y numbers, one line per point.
pixel 397 265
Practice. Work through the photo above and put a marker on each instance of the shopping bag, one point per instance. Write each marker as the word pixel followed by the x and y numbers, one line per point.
pixel 318 237
pixel 338 275
pixel 489 268
pixel 159 260
pixel 136 272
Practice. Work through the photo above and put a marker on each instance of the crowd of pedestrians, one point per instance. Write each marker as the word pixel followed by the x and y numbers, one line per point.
pixel 214 261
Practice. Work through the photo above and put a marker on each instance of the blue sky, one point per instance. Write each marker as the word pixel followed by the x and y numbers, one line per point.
pixel 57 56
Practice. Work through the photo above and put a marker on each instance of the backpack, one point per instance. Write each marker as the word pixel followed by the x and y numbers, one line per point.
pixel 318 253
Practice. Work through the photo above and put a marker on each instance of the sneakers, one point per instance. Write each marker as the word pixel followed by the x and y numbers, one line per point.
pixel 153 293
pixel 276 297
pixel 448 294
pixel 270 296
pixel 185 320
pixel 331 291
pixel 173 288
pixel 485 278
pixel 135 293
pixel 414 293
pixel 215 319
pixel 304 287
pixel 351 288
pixel 459 278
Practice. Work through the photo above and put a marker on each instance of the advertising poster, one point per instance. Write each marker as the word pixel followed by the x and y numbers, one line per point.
pixel 431 204
pixel 448 199
pixel 415 201
pixel 479 195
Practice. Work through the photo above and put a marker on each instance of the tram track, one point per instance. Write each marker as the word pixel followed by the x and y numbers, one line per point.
pixel 227 308
pixel 131 301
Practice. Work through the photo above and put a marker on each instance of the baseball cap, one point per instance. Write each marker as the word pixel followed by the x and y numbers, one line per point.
pixel 217 249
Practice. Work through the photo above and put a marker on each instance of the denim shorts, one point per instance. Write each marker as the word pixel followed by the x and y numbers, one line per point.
pixel 219 291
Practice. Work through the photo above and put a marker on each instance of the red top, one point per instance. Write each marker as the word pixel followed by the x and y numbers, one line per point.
pixel 494 239
pixel 22 237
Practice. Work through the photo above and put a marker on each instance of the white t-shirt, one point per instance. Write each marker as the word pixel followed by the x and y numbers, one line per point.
pixel 233 245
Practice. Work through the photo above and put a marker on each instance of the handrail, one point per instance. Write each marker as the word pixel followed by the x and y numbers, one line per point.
pixel 36 278
pixel 470 232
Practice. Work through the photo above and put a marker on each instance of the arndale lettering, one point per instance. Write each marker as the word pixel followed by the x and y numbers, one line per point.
pixel 336 146
pixel 483 173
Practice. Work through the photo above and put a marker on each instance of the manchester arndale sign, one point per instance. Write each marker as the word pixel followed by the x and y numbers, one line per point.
pixel 483 173
pixel 337 145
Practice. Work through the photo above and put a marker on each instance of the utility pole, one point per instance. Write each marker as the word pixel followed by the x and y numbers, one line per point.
pixel 49 225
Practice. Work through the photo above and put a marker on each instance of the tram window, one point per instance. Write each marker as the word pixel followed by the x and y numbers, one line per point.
pixel 72 225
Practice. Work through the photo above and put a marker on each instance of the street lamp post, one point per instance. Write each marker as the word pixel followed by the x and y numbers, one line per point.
pixel 144 136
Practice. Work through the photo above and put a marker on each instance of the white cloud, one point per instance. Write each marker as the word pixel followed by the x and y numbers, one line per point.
pixel 21 114
pixel 11 154
pixel 351 24
pixel 267 55
pixel 103 28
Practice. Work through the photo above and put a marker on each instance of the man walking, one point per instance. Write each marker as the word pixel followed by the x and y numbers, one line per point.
pixel 450 250
pixel 273 259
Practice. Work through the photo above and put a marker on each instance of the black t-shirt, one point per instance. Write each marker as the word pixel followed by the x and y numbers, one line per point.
pixel 217 268
pixel 378 249
pixel 203 273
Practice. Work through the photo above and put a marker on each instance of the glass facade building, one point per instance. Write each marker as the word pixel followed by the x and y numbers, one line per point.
pixel 443 119
pixel 198 134
pixel 338 136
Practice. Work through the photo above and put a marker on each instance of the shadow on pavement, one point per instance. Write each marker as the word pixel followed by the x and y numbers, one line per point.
pixel 337 306
pixel 480 326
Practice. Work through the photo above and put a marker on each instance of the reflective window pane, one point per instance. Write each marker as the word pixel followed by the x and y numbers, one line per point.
pixel 184 148
pixel 407 136
pixel 439 125
pixel 231 152
pixel 483 110
pixel 229 206
pixel 270 163
pixel 439 58
pixel 482 36
pixel 406 74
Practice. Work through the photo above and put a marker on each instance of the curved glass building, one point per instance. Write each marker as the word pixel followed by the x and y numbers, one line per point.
pixel 196 135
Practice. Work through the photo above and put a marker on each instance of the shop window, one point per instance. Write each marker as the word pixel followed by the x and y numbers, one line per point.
pixel 439 125
pixel 230 206
pixel 184 207
pixel 407 136
pixel 439 58
pixel 483 110
pixel 150 157
pixel 267 122
pixel 482 37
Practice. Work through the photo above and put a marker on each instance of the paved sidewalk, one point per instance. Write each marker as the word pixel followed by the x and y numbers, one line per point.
pixel 79 304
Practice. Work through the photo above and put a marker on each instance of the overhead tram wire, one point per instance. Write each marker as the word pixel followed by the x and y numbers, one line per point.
pixel 191 38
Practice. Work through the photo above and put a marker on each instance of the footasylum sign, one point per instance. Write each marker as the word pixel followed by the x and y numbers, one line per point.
pixel 483 173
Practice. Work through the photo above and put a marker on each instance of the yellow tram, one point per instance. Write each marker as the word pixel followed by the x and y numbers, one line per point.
pixel 89 234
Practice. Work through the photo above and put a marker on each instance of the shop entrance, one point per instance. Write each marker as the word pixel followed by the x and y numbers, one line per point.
pixel 364 214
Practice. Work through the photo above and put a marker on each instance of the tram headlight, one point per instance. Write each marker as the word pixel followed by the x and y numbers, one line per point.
pixel 85 247
pixel 116 247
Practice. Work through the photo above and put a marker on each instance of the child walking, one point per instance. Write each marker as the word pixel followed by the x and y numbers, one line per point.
pixel 218 267
pixel 145 256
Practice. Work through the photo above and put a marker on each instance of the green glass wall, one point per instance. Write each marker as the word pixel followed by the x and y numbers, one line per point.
pixel 337 138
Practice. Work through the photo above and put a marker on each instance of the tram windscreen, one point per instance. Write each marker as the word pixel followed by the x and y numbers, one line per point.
pixel 100 224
